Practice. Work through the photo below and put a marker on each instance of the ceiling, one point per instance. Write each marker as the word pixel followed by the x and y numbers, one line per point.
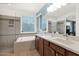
pixel 27 7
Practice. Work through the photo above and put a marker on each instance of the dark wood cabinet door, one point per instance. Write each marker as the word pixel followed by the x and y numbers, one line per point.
pixel 59 54
pixel 41 46
pixel 48 51
pixel 59 50
pixel 37 43
pixel 51 51
pixel 69 53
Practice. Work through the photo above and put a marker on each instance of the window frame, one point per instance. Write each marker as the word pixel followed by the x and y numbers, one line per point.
pixel 27 32
pixel 40 23
pixel 46 25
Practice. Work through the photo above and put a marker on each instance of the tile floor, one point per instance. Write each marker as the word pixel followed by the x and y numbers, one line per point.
pixel 10 52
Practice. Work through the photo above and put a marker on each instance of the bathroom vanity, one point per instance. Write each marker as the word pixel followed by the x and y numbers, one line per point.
pixel 55 46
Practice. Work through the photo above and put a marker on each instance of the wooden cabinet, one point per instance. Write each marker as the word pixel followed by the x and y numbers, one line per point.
pixel 41 46
pixel 69 53
pixel 59 50
pixel 52 52
pixel 48 51
pixel 46 43
pixel 37 43
pixel 59 54
pixel 46 48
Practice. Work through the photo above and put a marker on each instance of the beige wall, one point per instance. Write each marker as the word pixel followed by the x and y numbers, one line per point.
pixel 8 35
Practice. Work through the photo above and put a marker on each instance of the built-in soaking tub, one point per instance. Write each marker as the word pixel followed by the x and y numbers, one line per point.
pixel 24 45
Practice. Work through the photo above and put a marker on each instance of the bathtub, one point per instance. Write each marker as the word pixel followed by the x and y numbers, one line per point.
pixel 24 44
pixel 25 39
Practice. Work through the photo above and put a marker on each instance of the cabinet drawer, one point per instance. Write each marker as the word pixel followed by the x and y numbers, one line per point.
pixel 57 48
pixel 46 42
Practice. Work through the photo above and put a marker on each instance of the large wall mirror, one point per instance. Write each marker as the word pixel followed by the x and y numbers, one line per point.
pixel 71 25
pixel 65 26
pixel 60 27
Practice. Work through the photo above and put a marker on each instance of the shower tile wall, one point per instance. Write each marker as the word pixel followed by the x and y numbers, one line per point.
pixel 8 35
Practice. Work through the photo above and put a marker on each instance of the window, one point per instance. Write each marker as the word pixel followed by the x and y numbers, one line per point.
pixel 38 24
pixel 41 24
pixel 44 23
pixel 27 24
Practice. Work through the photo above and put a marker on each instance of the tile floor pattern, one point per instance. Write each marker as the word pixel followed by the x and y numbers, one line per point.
pixel 10 52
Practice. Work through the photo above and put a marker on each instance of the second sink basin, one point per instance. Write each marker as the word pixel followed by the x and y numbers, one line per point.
pixel 64 41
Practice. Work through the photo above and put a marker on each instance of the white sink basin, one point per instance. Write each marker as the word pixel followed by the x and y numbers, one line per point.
pixel 65 41
pixel 62 38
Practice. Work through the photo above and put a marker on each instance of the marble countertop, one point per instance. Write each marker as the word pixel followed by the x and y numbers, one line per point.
pixel 70 43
